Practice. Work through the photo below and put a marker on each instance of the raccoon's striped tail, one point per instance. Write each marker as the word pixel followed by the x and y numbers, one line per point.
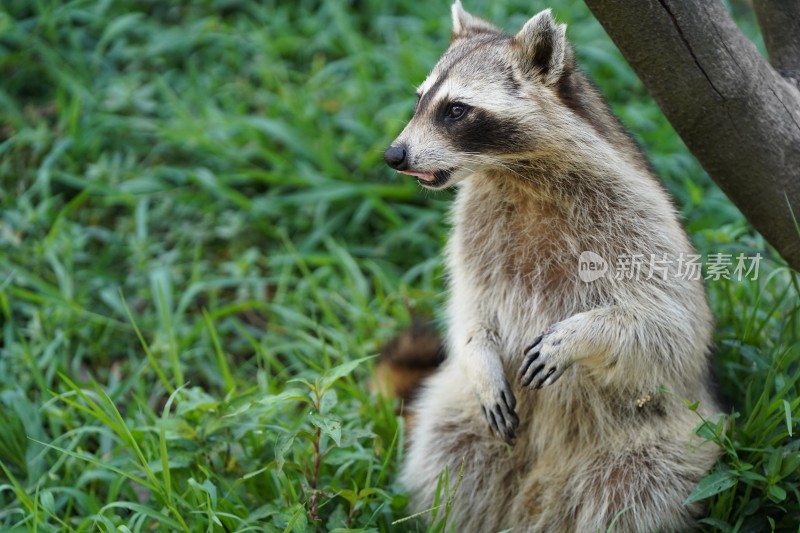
pixel 407 360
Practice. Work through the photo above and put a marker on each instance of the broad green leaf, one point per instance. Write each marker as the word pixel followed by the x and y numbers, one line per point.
pixel 330 426
pixel 282 447
pixel 790 464
pixel 328 401
pixel 339 372
pixel 717 523
pixel 711 485
pixel 776 493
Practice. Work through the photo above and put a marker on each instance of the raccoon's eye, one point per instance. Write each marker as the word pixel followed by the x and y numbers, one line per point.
pixel 455 111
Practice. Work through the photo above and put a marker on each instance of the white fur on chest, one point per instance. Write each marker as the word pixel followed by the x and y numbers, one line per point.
pixel 494 272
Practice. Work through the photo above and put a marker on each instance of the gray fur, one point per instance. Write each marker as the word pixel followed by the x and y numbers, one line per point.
pixel 607 431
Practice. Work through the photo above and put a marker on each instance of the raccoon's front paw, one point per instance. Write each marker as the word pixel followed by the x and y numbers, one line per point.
pixel 499 413
pixel 545 359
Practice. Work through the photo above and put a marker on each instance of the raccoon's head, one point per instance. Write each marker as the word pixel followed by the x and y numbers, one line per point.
pixel 486 102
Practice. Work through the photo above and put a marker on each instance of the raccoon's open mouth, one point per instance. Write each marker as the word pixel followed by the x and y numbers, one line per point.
pixel 431 179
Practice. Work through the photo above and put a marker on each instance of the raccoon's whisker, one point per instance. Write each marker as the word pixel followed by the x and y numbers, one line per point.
pixel 480 158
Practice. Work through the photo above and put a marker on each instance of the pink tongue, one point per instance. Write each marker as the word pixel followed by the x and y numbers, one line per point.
pixel 426 176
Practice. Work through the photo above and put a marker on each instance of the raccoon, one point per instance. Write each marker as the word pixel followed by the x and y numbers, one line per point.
pixel 562 395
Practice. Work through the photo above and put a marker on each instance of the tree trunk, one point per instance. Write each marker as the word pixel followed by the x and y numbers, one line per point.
pixel 780 27
pixel 736 113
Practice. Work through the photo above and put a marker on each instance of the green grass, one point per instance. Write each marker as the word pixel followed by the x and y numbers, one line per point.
pixel 201 249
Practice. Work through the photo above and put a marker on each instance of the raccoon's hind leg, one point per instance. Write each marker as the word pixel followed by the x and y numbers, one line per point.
pixel 637 487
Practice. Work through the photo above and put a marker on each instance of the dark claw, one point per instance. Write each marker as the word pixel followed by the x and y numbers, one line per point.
pixel 510 423
pixel 526 365
pixel 509 416
pixel 493 422
pixel 513 428
pixel 509 400
pixel 500 415
pixel 546 376
pixel 536 341
pixel 527 380
pixel 502 422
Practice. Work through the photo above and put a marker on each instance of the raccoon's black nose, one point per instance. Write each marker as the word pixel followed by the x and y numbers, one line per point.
pixel 395 157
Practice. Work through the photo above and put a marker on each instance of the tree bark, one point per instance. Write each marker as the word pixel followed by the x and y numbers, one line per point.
pixel 737 115
pixel 780 26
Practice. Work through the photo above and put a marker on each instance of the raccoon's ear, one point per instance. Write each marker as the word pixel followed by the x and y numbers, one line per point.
pixel 543 48
pixel 465 24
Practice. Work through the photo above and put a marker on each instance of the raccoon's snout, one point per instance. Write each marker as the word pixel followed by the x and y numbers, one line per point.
pixel 395 157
